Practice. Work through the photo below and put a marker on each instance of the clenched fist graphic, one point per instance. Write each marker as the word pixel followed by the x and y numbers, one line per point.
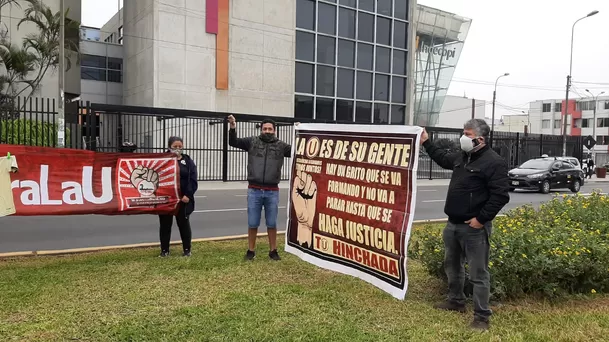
pixel 304 198
pixel 145 180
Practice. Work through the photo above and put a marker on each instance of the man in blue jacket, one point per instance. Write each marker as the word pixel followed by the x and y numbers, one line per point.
pixel 265 157
pixel 478 191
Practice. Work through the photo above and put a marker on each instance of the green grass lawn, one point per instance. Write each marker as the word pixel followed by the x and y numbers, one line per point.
pixel 132 295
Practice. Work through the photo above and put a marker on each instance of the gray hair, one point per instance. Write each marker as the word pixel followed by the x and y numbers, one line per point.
pixel 479 126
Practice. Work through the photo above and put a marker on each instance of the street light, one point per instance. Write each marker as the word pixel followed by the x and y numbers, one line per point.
pixel 493 116
pixel 594 120
pixel 564 125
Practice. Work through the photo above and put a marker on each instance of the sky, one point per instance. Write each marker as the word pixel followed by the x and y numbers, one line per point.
pixel 530 39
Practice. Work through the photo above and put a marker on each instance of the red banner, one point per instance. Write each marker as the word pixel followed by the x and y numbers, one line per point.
pixel 52 181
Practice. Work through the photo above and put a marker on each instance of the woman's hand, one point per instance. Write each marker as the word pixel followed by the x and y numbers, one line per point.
pixel 185 199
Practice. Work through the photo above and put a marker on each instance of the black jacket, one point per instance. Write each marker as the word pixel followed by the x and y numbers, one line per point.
pixel 264 159
pixel 479 186
pixel 188 182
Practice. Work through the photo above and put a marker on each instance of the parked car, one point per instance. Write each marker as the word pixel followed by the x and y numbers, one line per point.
pixel 545 174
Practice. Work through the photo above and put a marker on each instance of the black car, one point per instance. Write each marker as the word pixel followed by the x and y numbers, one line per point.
pixel 545 174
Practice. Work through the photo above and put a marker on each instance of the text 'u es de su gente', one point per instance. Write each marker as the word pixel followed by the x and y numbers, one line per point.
pixel 380 153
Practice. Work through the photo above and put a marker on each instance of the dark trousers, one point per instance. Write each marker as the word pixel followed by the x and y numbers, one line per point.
pixel 463 243
pixel 166 222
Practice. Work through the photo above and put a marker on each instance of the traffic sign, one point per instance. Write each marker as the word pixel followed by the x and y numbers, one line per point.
pixel 589 142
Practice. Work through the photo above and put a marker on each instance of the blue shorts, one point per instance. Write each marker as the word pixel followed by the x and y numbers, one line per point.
pixel 258 198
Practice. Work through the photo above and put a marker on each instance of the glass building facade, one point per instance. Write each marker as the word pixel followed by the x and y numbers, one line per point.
pixel 352 60
pixel 439 43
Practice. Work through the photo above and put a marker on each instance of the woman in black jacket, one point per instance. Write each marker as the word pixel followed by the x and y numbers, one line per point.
pixel 188 187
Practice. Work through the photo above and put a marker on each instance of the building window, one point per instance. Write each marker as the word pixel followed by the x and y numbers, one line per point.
pixel 305 14
pixel 401 10
pixel 346 23
pixel 365 56
pixel 383 7
pixel 325 50
pixel 325 80
pixel 383 60
pixel 556 123
pixel 602 122
pixel 381 113
pixel 345 81
pixel 303 107
pixel 545 124
pixel 577 123
pixel 100 68
pixel 93 74
pixel 344 110
pixel 363 112
pixel 587 105
pixel 383 31
pixel 365 26
pixel 304 78
pixel 351 60
pixel 305 46
pixel 398 115
pixel 326 18
pixel 120 32
pixel 400 33
pixel 586 123
pixel 606 104
pixel 558 107
pixel 324 109
pixel 546 107
pixel 346 53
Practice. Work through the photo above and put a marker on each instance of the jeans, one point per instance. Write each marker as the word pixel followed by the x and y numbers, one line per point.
pixel 256 200
pixel 166 221
pixel 463 243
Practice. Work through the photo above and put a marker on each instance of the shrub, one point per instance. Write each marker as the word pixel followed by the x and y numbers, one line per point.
pixel 561 248
pixel 30 133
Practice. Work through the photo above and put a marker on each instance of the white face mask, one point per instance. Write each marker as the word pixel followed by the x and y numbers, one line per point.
pixel 467 143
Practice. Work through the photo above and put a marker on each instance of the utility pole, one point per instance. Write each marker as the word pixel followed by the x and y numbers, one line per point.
pixel 566 115
pixel 60 122
pixel 473 108
pixel 493 117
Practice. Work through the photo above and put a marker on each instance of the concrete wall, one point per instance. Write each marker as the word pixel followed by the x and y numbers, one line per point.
pixel 170 60
pixel 11 15
pixel 98 91
pixel 112 28
pixel 456 110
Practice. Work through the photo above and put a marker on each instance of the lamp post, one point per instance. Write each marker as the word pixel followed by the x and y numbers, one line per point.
pixel 564 125
pixel 493 116
pixel 594 120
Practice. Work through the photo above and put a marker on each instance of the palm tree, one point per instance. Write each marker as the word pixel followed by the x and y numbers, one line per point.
pixel 45 43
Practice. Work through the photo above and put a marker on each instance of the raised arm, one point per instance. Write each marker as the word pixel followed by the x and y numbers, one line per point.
pixel 440 156
pixel 233 140
pixel 287 150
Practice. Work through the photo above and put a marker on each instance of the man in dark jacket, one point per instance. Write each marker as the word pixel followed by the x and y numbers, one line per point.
pixel 265 156
pixel 478 191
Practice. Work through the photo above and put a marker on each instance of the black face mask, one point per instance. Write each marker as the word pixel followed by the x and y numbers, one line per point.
pixel 267 137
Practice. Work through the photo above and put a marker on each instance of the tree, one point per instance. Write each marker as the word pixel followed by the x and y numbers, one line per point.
pixel 27 66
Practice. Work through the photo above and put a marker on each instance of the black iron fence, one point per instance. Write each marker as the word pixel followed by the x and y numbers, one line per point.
pixel 115 128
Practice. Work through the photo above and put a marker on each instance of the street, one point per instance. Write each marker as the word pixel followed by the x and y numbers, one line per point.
pixel 219 213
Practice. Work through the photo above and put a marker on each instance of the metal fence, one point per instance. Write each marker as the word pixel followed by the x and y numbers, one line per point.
pixel 115 128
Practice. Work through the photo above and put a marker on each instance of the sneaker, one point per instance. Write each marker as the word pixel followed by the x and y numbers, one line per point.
pixel 250 255
pixel 164 254
pixel 186 253
pixel 479 324
pixel 274 255
pixel 450 306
